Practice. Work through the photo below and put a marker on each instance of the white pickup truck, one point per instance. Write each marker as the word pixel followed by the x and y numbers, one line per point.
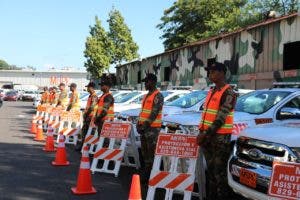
pixel 257 148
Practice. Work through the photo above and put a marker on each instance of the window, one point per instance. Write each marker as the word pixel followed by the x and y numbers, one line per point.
pixel 260 101
pixel 291 56
pixel 139 77
pixel 290 110
pixel 167 72
pixel 189 100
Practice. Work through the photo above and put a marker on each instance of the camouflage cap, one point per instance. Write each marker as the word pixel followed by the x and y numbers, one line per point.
pixel 150 77
pixel 216 66
pixel 91 84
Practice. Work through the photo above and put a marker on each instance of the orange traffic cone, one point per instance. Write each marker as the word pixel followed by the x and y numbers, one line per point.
pixel 135 190
pixel 33 126
pixel 39 134
pixel 61 155
pixel 84 180
pixel 49 146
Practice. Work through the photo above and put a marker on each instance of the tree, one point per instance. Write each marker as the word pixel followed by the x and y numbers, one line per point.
pixel 97 50
pixel 124 48
pixel 4 65
pixel 191 20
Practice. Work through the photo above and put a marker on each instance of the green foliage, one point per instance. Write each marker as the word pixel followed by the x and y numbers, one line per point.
pixel 124 48
pixel 98 50
pixel 4 65
pixel 187 21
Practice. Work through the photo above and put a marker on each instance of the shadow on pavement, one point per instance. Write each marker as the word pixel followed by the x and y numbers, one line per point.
pixel 26 173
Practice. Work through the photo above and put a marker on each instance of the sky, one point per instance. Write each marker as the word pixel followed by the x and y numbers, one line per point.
pixel 52 33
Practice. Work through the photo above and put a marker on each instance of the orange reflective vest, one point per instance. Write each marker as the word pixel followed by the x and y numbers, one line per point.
pixel 45 97
pixel 110 112
pixel 76 104
pixel 147 105
pixel 89 103
pixel 52 98
pixel 210 110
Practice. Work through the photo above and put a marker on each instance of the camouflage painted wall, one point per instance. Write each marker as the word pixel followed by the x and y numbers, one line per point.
pixel 254 57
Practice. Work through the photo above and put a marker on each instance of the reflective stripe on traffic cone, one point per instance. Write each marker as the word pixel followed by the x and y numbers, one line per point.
pixel 49 146
pixel 135 189
pixel 84 180
pixel 39 134
pixel 61 155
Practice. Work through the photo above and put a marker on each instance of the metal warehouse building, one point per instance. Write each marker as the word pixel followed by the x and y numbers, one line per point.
pixel 256 56
pixel 44 78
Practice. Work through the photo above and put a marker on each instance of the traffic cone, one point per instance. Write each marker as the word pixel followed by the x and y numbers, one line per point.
pixel 84 180
pixel 61 155
pixel 39 134
pixel 135 189
pixel 33 129
pixel 49 146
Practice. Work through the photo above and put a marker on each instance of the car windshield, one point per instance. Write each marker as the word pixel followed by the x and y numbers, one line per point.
pixel 188 100
pixel 260 101
pixel 126 97
pixel 166 93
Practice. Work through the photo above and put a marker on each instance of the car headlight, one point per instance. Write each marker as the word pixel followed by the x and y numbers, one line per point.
pixel 191 129
pixel 296 151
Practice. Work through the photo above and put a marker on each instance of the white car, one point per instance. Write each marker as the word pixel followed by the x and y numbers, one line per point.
pixel 189 102
pixel 257 107
pixel 169 96
pixel 250 165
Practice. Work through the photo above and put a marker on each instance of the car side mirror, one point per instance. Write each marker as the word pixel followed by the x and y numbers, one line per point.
pixel 289 113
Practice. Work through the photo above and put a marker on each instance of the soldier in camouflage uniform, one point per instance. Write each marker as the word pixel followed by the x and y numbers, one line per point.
pixel 149 123
pixel 89 113
pixel 105 105
pixel 63 96
pixel 215 132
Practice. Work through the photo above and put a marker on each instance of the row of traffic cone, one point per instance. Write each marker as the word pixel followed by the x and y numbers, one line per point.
pixel 84 180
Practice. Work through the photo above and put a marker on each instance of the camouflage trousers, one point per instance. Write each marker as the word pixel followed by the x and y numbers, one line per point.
pixel 217 152
pixel 148 145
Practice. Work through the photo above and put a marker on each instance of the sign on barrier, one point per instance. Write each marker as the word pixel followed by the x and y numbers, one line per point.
pixel 285 180
pixel 115 130
pixel 114 152
pixel 175 147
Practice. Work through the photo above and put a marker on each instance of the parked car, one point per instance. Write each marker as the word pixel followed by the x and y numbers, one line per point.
pixel 250 165
pixel 10 96
pixel 257 107
pixel 29 95
pixel 169 96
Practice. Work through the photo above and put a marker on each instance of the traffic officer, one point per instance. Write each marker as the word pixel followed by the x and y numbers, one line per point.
pixel 105 105
pixel 74 102
pixel 88 113
pixel 63 96
pixel 149 123
pixel 45 96
pixel 54 96
pixel 215 130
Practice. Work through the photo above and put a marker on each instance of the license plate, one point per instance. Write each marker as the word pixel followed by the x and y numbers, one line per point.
pixel 248 178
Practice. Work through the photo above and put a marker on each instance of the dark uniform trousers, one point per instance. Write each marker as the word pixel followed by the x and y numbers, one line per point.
pixel 148 142
pixel 217 151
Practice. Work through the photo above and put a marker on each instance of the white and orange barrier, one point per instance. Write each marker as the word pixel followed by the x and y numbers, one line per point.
pixel 40 113
pixel 176 147
pixel 70 125
pixel 114 132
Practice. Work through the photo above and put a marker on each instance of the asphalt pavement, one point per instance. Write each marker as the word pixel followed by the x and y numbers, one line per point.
pixel 26 172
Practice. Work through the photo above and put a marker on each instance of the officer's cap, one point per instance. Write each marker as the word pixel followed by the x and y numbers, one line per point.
pixel 216 66
pixel 150 77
